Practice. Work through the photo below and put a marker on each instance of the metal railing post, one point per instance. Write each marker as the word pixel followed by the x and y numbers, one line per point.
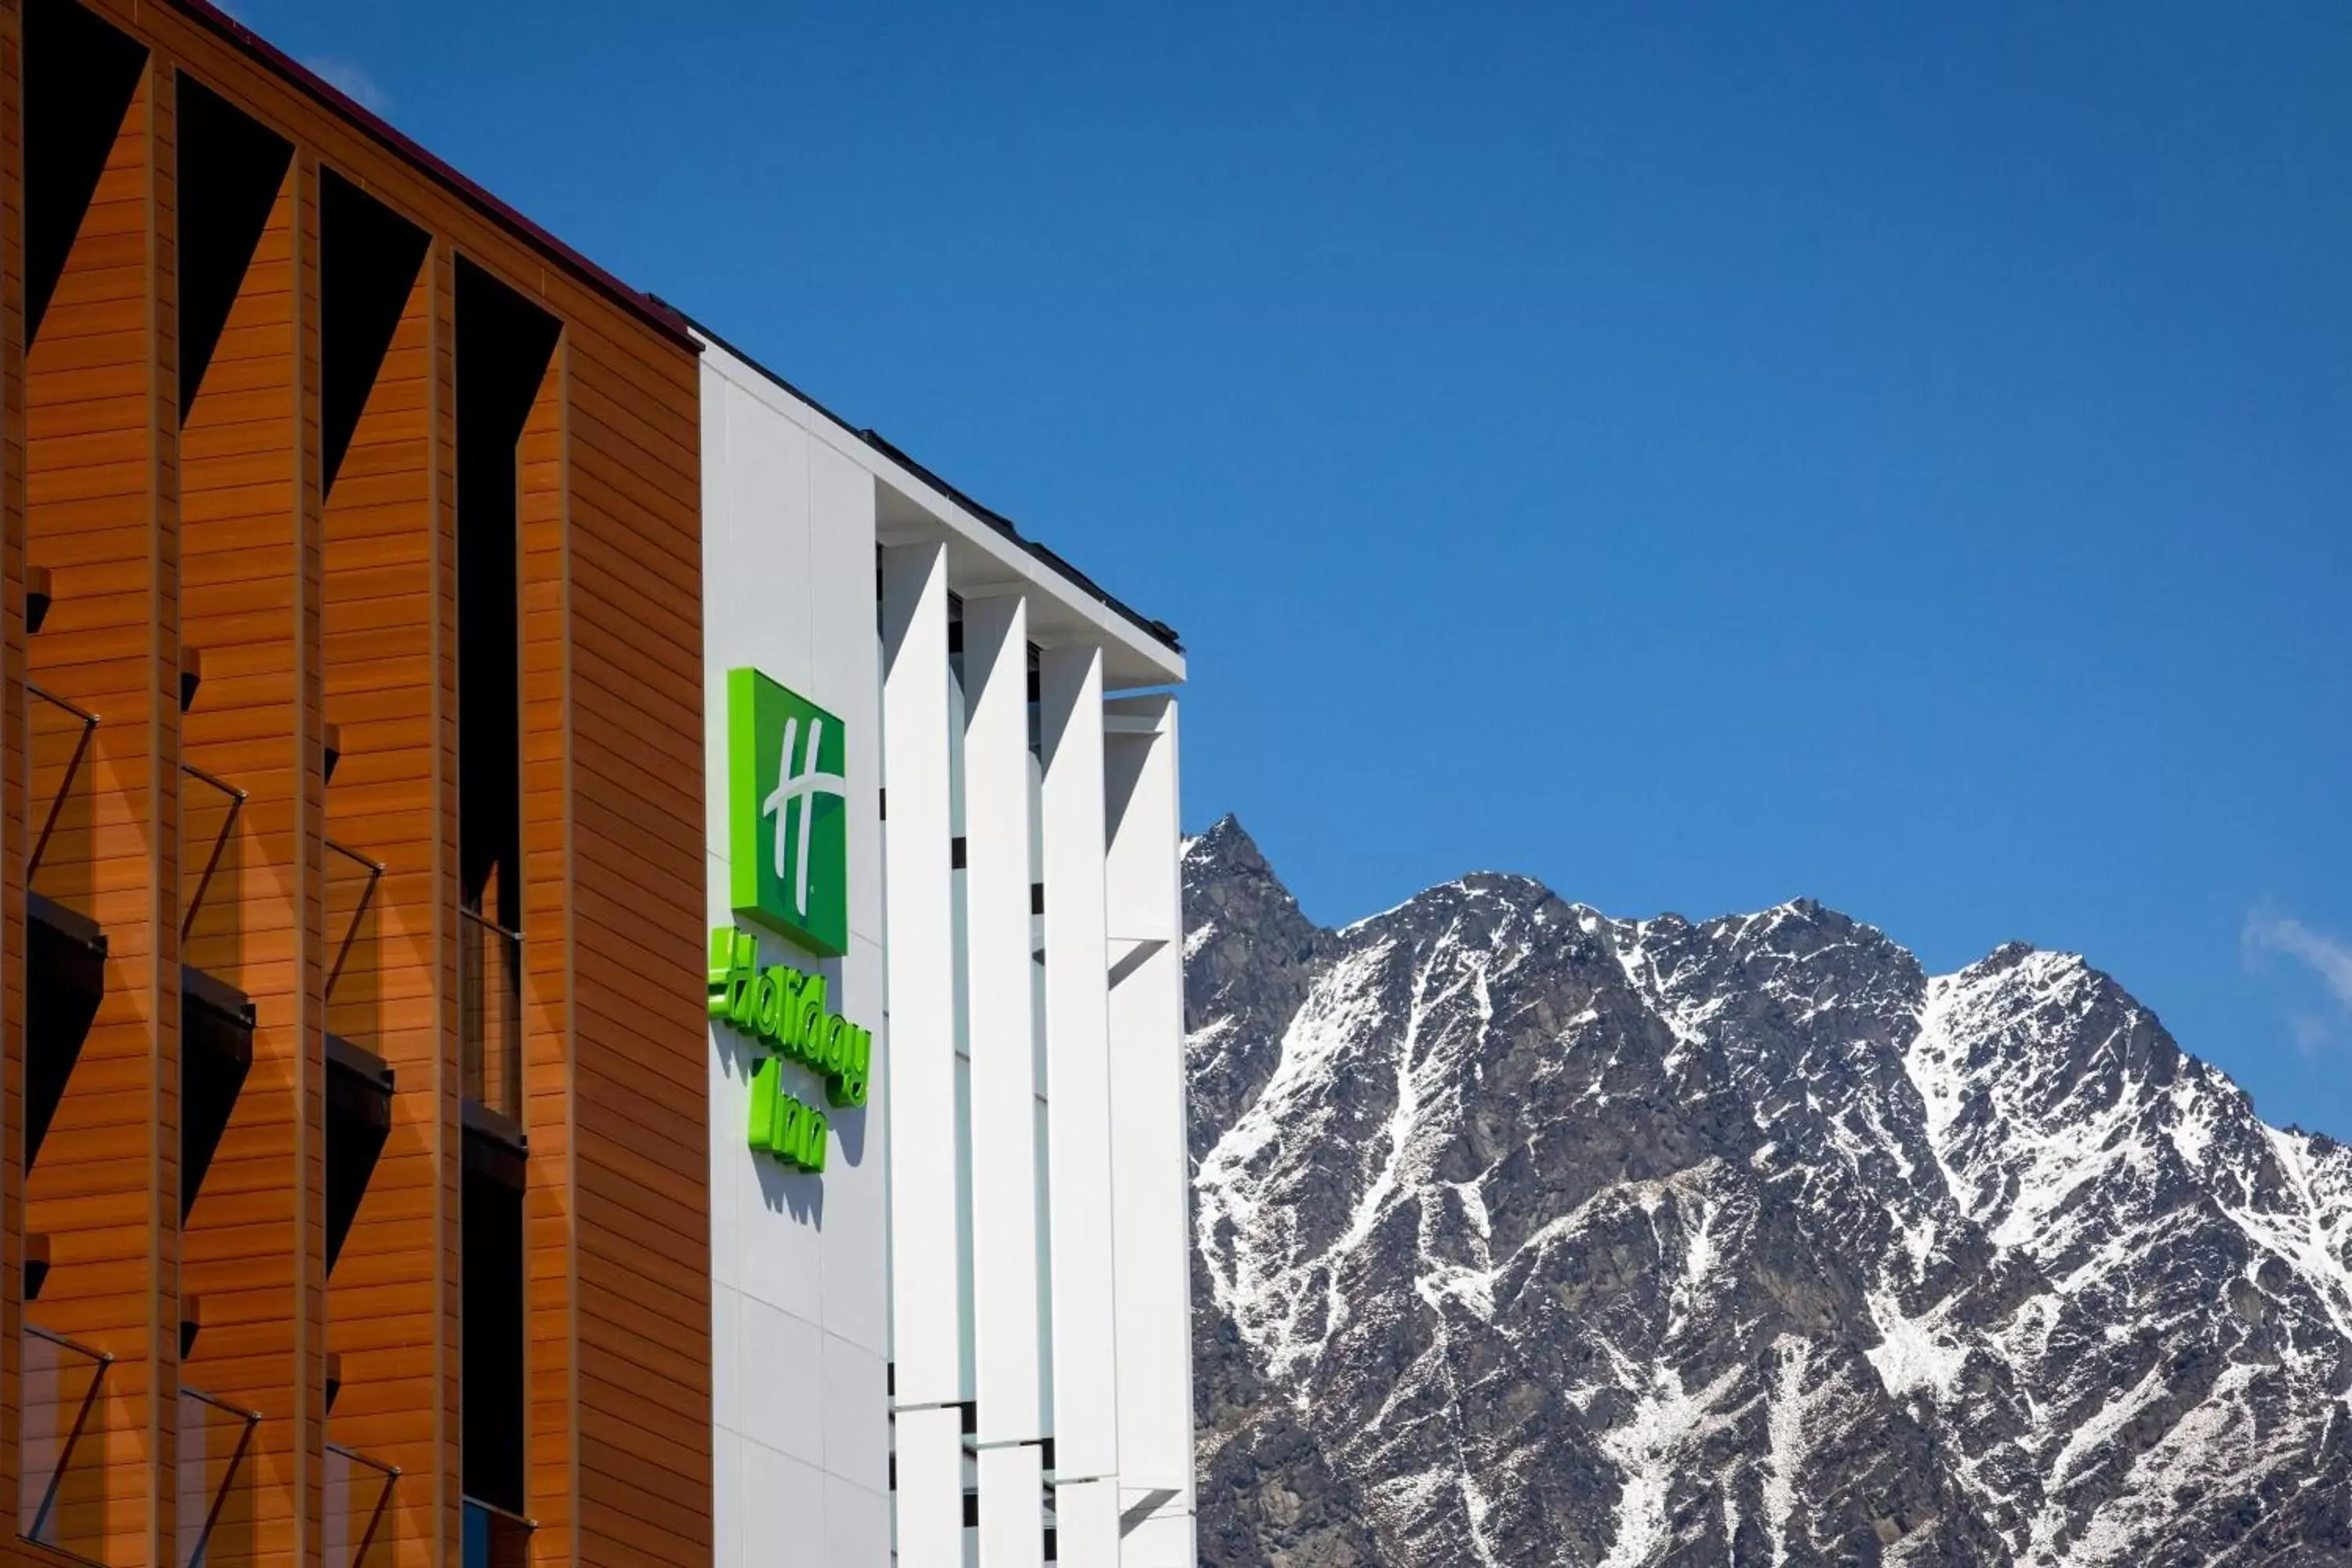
pixel 251 1419
pixel 64 786
pixel 102 1360
pixel 374 870
pixel 220 841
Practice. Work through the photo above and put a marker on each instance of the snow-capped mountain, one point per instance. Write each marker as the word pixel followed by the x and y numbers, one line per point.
pixel 1528 1236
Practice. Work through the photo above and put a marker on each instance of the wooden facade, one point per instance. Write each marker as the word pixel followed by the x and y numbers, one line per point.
pixel 236 837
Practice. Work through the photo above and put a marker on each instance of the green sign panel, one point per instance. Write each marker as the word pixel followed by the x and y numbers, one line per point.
pixel 784 1010
pixel 787 814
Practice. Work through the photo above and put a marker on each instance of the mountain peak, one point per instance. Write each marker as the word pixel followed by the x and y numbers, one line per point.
pixel 1227 835
pixel 1226 850
pixel 1526 1234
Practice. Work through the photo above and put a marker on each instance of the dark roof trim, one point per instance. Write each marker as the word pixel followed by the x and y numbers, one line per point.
pixel 1158 631
pixel 660 318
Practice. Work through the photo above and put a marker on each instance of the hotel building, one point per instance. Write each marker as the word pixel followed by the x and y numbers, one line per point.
pixel 980 1301
pixel 589 958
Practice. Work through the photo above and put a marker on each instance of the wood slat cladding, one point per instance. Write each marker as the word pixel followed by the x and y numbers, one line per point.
pixel 303 532
pixel 551 1271
pixel 100 493
pixel 390 599
pixel 14 826
pixel 249 589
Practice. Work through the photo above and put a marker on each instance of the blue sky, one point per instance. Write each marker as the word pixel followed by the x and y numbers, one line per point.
pixel 1901 456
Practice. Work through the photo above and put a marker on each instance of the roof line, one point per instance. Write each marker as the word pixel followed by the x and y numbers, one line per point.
pixel 1158 630
pixel 649 310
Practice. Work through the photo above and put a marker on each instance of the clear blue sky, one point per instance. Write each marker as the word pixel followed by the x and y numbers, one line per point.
pixel 1897 455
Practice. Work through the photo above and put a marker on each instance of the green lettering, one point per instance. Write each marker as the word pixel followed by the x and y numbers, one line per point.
pixel 793 1129
pixel 785 1010
pixel 846 1085
pixel 767 1000
pixel 733 954
pixel 810 1018
pixel 790 983
pixel 766 1086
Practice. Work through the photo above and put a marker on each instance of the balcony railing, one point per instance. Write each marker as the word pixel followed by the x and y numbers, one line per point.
pixel 489 993
pixel 62 1446
pixel 495 1538
pixel 352 971
pixel 214 1437
pixel 57 808
pixel 359 1508
pixel 208 817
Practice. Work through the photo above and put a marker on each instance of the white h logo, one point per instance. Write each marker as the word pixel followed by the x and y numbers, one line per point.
pixel 804 783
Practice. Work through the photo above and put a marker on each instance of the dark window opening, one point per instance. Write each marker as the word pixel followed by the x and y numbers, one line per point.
pixel 369 259
pixel 231 169
pixel 504 346
pixel 492 1393
pixel 80 77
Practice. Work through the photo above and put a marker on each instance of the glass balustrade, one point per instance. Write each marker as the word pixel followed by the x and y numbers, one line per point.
pixel 354 962
pixel 57 780
pixel 215 1501
pixel 210 908
pixel 359 1530
pixel 62 1445
pixel 495 1538
pixel 490 991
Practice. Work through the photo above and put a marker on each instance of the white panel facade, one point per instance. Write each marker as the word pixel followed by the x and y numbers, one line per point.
pixel 799 1290
pixel 1151 1181
pixel 966 1341
pixel 931 1488
pixel 1002 1132
pixel 922 1091
pixel 1077 1055
pixel 1012 1536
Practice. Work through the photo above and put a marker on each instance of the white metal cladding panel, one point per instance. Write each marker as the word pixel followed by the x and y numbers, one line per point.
pixel 856 1214
pixel 759 601
pixel 1086 1522
pixel 931 1488
pixel 1077 1041
pixel 1012 1507
pixel 1155 1438
pixel 856 1524
pixel 927 1332
pixel 1002 1023
pixel 1159 1540
pixel 847 653
pixel 854 1422
pixel 959 914
pixel 1145 901
pixel 798 1261
pixel 785 1526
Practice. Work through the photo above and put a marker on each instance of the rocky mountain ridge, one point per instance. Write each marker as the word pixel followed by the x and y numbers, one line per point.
pixel 1526 1235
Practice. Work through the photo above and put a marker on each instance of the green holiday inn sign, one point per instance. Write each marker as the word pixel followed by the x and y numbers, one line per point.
pixel 787 814
pixel 784 1010
pixel 788 870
